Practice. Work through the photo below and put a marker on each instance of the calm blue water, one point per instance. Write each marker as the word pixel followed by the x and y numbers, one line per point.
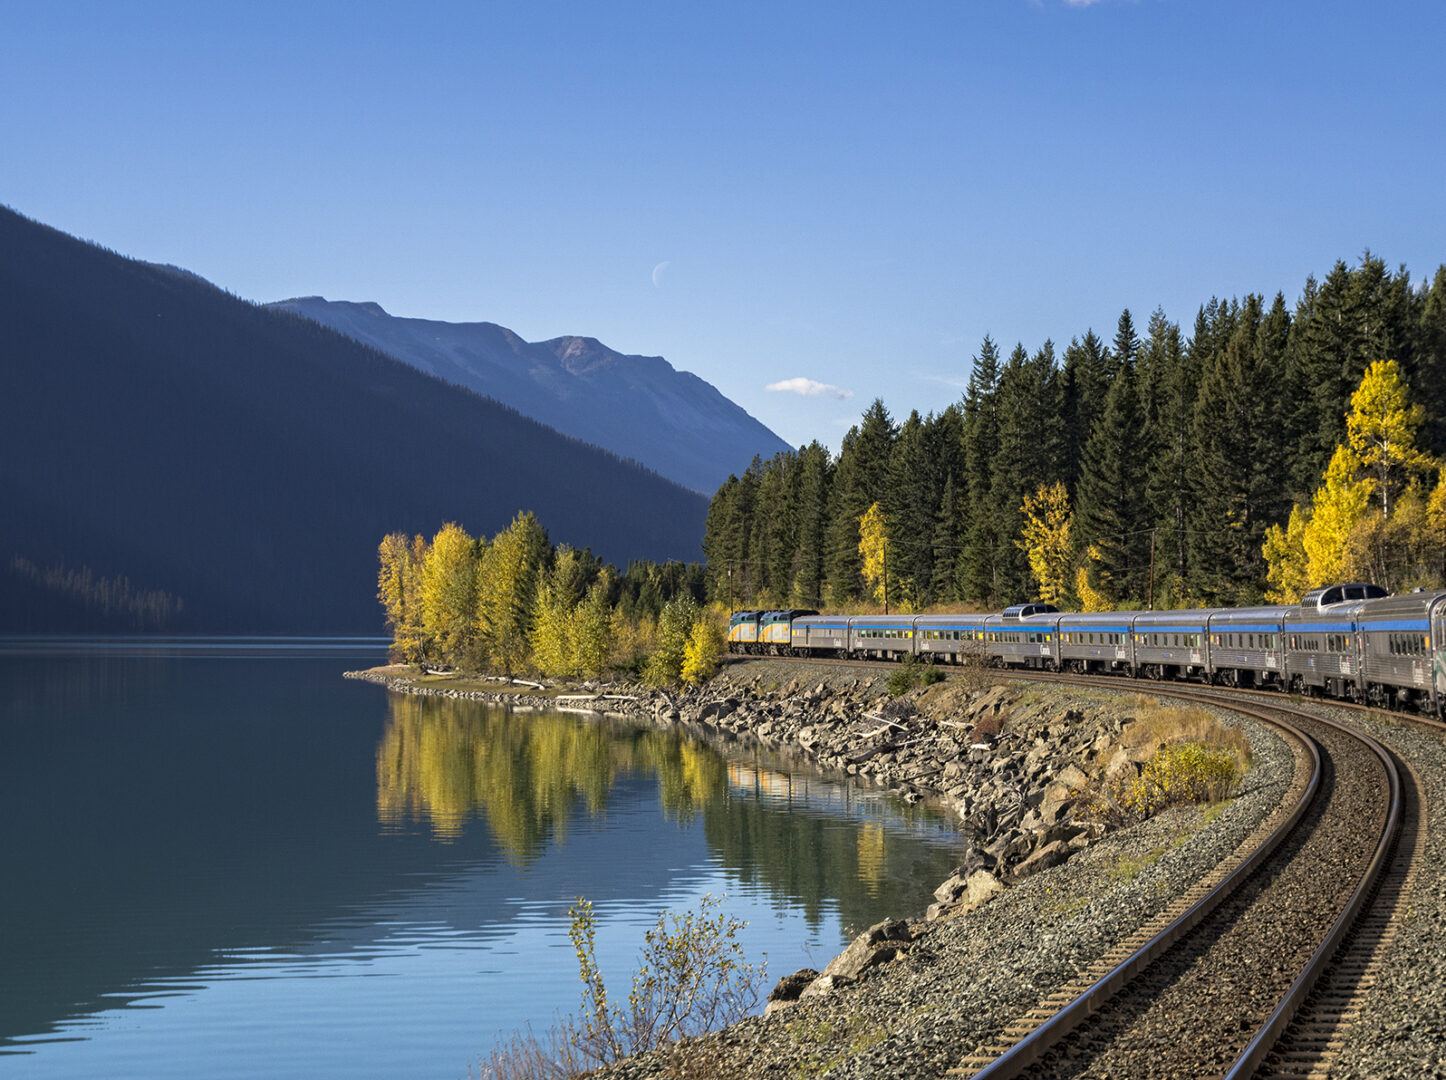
pixel 219 859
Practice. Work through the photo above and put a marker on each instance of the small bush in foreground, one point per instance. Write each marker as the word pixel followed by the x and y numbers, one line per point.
pixel 692 978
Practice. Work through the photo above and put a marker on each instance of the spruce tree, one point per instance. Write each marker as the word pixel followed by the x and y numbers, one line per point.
pixel 1168 419
pixel 909 502
pixel 1127 342
pixel 860 481
pixel 978 579
pixel 1112 503
pixel 815 474
pixel 1429 380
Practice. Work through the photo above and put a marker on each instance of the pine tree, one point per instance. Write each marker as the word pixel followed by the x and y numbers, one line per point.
pixel 1084 382
pixel 978 575
pixel 860 480
pixel 909 503
pixel 1113 515
pixel 948 545
pixel 1237 490
pixel 815 474
pixel 1028 455
pixel 1429 381
pixel 1127 342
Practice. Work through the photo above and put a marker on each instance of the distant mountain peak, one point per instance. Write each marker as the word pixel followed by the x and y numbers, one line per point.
pixel 639 407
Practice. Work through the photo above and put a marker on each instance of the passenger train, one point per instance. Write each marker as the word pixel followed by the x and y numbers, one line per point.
pixel 1353 642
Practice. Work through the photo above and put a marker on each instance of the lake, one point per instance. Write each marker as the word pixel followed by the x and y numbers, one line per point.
pixel 218 858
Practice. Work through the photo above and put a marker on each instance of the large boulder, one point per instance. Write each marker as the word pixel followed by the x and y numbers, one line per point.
pixel 789 989
pixel 1051 854
pixel 877 945
pixel 963 892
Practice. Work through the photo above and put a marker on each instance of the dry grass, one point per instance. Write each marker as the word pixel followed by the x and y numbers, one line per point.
pixel 1189 757
pixel 1162 725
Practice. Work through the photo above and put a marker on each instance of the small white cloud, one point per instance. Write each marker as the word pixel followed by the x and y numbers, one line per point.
pixel 809 388
pixel 1080 3
pixel 954 382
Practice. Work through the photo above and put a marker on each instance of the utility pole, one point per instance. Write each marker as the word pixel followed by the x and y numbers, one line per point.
pixel 885 573
pixel 1150 589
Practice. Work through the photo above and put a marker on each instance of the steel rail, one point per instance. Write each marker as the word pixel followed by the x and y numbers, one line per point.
pixel 1029 1050
pixel 1032 1048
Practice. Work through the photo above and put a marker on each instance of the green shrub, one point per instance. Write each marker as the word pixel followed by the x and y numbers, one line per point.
pixel 912 673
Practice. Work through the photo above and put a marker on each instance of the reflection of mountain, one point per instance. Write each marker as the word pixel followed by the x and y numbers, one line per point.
pixel 806 839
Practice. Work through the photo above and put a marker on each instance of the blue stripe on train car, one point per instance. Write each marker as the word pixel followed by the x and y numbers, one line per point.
pixel 1320 628
pixel 1247 628
pixel 1420 625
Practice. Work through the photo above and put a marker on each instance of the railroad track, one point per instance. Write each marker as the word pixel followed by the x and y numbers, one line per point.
pixel 1214 985
pixel 1260 969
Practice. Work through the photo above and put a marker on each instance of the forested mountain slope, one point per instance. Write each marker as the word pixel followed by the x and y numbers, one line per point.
pixel 236 466
pixel 639 407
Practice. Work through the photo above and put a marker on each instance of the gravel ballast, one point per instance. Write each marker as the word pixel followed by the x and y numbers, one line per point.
pixel 963 978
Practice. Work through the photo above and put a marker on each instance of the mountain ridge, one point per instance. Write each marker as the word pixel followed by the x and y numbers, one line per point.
pixel 245 462
pixel 640 407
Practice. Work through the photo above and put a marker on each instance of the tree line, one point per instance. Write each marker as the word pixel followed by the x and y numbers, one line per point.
pixel 1163 469
pixel 516 603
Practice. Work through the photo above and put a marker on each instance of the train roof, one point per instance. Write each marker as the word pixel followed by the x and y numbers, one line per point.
pixel 1330 595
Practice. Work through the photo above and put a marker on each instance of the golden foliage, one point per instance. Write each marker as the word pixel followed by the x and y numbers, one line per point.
pixel 873 550
pixel 448 591
pixel 703 652
pixel 1381 430
pixel 1046 540
pixel 1090 597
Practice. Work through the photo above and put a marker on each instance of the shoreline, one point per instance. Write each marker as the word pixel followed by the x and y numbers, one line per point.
pixel 1013 767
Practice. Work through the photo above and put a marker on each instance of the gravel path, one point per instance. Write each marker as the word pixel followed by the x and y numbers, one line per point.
pixel 1192 1012
pixel 963 979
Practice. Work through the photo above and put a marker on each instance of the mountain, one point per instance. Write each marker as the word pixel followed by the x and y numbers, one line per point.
pixel 172 456
pixel 639 407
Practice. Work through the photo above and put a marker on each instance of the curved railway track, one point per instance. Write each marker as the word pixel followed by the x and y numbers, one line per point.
pixel 1259 969
pixel 1212 991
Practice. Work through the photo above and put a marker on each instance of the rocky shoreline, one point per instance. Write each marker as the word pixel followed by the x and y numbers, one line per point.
pixel 1017 765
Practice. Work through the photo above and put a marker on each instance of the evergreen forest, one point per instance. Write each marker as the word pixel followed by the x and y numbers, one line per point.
pixel 1266 449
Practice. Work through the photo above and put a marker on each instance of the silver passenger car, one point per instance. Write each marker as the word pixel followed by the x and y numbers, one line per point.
pixel 1096 641
pixel 1247 646
pixel 1172 644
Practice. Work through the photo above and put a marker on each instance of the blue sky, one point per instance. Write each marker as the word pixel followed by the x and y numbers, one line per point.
pixel 842 194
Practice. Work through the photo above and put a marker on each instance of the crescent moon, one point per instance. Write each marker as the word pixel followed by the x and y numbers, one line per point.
pixel 659 271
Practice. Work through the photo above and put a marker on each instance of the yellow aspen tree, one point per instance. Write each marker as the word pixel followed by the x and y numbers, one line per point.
pixel 506 590
pixel 591 632
pixel 1090 598
pixel 1342 500
pixel 874 551
pixel 1286 564
pixel 449 592
pixel 398 588
pixel 1381 429
pixel 1046 541
pixel 551 633
pixel 1436 518
pixel 665 665
pixel 703 652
